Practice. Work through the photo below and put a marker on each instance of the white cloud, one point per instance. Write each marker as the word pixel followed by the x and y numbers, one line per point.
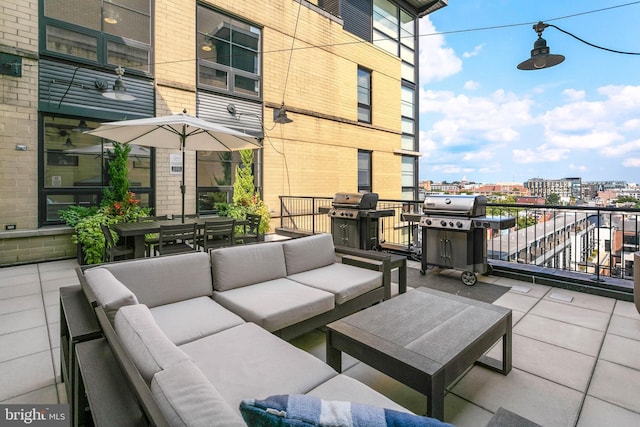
pixel 540 154
pixel 580 168
pixel 437 61
pixel 471 85
pixel 573 94
pixel 482 155
pixel 473 53
pixel 633 162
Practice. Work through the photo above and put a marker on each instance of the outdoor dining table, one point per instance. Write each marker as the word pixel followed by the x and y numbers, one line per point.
pixel 137 230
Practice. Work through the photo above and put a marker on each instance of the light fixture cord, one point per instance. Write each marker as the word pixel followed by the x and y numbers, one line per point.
pixel 295 31
pixel 591 44
pixel 68 87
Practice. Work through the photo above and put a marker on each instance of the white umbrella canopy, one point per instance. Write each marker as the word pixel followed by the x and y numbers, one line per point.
pixel 177 131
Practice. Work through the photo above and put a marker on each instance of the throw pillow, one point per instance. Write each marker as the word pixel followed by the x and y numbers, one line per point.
pixel 305 411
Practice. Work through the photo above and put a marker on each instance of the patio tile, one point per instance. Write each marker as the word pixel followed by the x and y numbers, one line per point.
pixel 572 337
pixel 598 413
pixel 55 284
pixel 534 290
pixel 566 367
pixel 62 265
pixel 572 314
pixel 21 320
pixel 314 343
pixel 616 384
pixel 45 395
pixel 26 374
pixel 18 270
pixel 508 282
pixel 625 327
pixel 53 313
pixel 626 309
pixel 54 334
pixel 18 279
pixel 23 343
pixel 51 297
pixel 516 316
pixel 21 290
pixel 621 350
pixel 584 300
pixel 55 356
pixel 541 401
pixel 12 305
pixel 462 413
pixel 520 302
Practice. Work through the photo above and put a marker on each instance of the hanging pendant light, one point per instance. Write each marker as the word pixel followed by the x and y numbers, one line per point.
pixel 540 54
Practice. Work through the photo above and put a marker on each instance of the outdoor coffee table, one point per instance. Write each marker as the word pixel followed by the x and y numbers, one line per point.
pixel 424 339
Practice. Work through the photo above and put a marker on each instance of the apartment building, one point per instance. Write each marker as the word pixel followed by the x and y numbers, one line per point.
pixel 344 71
pixel 565 187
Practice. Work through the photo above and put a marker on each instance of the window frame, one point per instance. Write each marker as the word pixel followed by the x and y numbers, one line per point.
pixel 368 108
pixel 102 39
pixel 230 71
pixel 364 188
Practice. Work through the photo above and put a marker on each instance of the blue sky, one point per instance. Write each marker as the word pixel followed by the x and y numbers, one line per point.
pixel 483 120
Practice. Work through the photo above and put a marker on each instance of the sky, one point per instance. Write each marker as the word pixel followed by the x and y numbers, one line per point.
pixel 483 120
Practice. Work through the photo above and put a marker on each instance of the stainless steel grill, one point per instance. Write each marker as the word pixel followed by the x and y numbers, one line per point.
pixel 354 220
pixel 454 233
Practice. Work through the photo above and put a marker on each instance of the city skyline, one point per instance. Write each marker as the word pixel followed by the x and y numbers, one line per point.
pixel 483 119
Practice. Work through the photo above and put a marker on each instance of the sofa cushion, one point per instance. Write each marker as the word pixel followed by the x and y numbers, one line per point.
pixel 187 398
pixel 344 281
pixel 276 304
pixel 343 387
pixel 307 253
pixel 247 361
pixel 308 411
pixel 146 344
pixel 110 293
pixel 163 280
pixel 195 318
pixel 244 265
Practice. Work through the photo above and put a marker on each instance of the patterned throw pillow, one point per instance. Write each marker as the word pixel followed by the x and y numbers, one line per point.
pixel 300 410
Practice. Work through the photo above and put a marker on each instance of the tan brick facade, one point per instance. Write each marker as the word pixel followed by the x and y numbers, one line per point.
pixel 315 155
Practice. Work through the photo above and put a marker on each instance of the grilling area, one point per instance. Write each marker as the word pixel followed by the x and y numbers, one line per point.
pixel 453 234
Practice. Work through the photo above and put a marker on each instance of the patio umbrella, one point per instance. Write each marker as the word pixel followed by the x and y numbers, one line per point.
pixel 178 131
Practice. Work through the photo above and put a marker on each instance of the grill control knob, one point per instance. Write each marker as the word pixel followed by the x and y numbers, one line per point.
pixel 450 223
pixel 459 224
pixel 443 223
pixel 351 214
pixel 428 222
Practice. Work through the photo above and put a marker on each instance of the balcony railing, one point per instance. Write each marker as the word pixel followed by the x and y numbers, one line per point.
pixel 597 244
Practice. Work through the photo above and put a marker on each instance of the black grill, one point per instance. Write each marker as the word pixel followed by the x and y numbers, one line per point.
pixel 354 220
pixel 454 233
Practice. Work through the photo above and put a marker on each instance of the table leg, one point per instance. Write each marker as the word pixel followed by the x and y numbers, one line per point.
pixel 138 246
pixel 334 356
pixel 435 397
pixel 402 277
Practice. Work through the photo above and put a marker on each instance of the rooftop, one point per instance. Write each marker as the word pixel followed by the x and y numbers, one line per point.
pixel 575 355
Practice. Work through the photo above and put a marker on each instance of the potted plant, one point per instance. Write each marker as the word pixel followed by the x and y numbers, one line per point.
pixel 245 198
pixel 118 205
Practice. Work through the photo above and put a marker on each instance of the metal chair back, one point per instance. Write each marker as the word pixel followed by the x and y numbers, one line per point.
pixel 177 238
pixel 218 233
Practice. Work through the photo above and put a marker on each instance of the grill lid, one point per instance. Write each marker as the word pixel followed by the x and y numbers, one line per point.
pixel 468 206
pixel 355 200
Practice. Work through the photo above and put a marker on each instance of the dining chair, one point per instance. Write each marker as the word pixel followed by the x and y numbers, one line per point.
pixel 251 229
pixel 217 233
pixel 177 238
pixel 151 240
pixel 112 251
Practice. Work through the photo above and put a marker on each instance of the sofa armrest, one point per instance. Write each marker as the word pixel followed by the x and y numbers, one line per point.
pixel 382 264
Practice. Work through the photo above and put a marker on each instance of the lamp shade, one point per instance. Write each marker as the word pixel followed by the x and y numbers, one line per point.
pixel 540 57
pixel 280 116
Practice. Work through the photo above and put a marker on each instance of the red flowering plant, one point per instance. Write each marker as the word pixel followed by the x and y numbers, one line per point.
pixel 126 210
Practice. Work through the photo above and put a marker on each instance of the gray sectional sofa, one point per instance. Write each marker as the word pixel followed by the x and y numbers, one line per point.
pixel 198 333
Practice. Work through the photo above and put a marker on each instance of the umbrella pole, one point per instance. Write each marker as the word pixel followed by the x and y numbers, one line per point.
pixel 183 188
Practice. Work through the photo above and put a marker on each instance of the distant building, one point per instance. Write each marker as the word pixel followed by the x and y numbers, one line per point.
pixel 565 187
pixel 516 190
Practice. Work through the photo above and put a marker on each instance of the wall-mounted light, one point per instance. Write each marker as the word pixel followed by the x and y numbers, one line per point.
pixel 119 91
pixel 280 115
pixel 69 143
pixel 541 56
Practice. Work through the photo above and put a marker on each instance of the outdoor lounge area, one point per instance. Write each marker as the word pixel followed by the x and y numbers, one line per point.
pixel 574 355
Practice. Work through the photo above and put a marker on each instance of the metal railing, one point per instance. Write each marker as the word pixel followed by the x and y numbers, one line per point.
pixel 595 241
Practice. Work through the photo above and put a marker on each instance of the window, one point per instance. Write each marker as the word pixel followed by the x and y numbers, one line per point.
pixel 364 95
pixel 216 176
pixel 407 109
pixel 364 171
pixel 102 32
pixel 394 30
pixel 75 167
pixel 228 54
